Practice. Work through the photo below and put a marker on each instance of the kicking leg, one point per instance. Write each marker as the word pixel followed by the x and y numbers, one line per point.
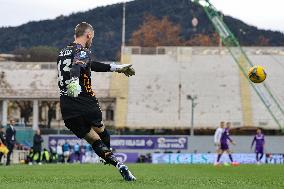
pixel 87 132
pixel 105 153
pixel 103 134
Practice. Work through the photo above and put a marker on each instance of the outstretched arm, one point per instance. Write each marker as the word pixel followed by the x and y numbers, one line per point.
pixel 120 68
pixel 100 67
pixel 229 138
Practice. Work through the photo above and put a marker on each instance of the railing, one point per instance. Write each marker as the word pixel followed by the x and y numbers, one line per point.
pixel 28 93
pixel 51 93
pixel 136 50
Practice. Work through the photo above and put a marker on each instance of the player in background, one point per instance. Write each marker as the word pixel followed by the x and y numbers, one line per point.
pixel 77 152
pixel 79 106
pixel 259 145
pixel 59 151
pixel 217 138
pixel 224 146
pixel 66 152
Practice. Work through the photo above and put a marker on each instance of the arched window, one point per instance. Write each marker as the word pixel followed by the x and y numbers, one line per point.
pixel 109 113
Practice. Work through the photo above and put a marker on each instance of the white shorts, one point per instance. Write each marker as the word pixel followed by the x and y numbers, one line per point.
pixel 66 153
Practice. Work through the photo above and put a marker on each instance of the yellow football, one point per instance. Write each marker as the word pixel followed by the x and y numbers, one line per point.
pixel 257 74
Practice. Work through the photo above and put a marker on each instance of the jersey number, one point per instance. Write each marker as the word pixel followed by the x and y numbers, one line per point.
pixel 66 63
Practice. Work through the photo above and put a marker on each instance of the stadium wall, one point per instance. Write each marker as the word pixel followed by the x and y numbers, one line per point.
pixel 166 75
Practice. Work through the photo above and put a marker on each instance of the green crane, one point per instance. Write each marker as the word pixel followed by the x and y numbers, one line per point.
pixel 244 63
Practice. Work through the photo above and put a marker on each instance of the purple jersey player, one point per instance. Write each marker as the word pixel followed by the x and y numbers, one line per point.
pixel 259 145
pixel 224 146
pixel 225 137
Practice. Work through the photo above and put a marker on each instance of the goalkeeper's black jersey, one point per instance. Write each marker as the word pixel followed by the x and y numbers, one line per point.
pixel 86 102
pixel 67 57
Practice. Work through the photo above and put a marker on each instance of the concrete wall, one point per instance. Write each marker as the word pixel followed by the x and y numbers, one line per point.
pixel 157 94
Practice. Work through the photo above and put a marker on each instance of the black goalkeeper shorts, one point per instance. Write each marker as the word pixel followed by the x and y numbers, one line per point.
pixel 82 125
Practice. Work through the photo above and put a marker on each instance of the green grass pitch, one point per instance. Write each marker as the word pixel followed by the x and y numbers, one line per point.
pixel 95 176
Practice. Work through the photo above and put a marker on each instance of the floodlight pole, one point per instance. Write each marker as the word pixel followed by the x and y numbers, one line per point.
pixel 123 27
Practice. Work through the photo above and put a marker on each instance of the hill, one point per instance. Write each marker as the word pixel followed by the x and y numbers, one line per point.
pixel 107 22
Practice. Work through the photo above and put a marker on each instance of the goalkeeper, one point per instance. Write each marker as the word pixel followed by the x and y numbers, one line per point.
pixel 79 106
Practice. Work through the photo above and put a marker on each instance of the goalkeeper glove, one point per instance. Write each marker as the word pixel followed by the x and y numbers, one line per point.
pixel 123 68
pixel 74 88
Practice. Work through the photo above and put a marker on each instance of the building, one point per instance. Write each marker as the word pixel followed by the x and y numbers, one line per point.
pixel 29 94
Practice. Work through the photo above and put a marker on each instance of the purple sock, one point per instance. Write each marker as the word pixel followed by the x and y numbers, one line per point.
pixel 219 157
pixel 261 155
pixel 231 158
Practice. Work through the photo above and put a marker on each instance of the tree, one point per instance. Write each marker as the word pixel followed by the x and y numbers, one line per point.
pixel 154 32
pixel 37 54
pixel 203 40
pixel 263 41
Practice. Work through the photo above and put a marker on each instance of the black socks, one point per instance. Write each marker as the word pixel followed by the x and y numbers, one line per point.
pixel 105 137
pixel 104 152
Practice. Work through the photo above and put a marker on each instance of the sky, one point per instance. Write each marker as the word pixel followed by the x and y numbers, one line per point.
pixel 260 13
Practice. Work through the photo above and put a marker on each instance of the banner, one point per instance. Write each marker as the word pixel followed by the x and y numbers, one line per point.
pixel 130 142
pixel 242 158
pixel 91 157
pixel 149 142
pixel 54 140
pixel 87 155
